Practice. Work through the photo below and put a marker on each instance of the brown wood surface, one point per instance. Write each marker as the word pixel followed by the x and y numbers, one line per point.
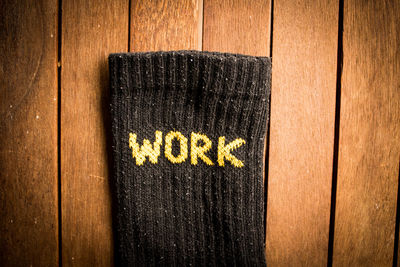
pixel 304 52
pixel 237 26
pixel 166 25
pixel 90 31
pixel 369 143
pixel 28 133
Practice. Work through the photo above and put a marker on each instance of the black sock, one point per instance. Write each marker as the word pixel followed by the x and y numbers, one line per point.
pixel 192 194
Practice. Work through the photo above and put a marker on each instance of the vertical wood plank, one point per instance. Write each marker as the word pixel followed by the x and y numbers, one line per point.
pixel 305 36
pixel 28 130
pixel 166 25
pixel 90 31
pixel 369 142
pixel 237 26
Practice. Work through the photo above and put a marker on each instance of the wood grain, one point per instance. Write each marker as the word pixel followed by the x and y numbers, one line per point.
pixel 90 31
pixel 237 26
pixel 369 146
pixel 302 121
pixel 28 133
pixel 166 25
pixel 302 132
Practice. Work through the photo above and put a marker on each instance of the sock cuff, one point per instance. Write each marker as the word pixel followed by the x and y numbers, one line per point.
pixel 227 73
pixel 173 85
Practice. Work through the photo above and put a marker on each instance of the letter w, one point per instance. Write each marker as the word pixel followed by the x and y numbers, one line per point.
pixel 146 150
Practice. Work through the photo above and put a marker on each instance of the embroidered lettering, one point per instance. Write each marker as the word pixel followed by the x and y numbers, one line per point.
pixel 224 151
pixel 152 151
pixel 199 151
pixel 183 146
pixel 146 150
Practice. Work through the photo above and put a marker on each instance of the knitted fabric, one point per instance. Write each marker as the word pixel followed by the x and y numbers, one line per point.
pixel 188 132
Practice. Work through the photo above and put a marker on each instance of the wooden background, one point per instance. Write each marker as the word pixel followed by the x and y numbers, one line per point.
pixel 332 175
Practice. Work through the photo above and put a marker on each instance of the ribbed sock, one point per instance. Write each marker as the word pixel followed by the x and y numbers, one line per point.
pixel 192 194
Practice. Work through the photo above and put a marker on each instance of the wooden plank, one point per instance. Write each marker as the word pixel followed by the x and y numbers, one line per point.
pixel 237 26
pixel 369 146
pixel 90 31
pixel 302 132
pixel 28 130
pixel 166 25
